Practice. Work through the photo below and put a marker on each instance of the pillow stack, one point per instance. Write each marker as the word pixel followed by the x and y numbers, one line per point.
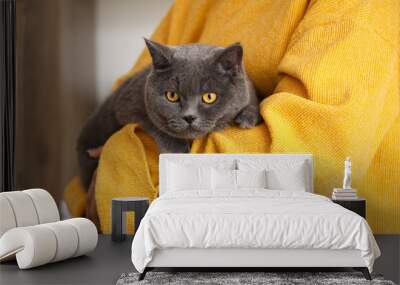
pixel 238 174
pixel 31 230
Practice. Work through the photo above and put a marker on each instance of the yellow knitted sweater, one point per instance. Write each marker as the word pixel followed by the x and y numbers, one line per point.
pixel 332 68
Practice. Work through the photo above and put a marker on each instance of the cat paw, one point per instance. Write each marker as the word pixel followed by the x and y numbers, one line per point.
pixel 248 118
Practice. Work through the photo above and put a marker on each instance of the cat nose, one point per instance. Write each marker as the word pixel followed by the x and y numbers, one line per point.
pixel 189 119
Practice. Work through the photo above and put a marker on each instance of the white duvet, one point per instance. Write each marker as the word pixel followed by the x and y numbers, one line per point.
pixel 250 218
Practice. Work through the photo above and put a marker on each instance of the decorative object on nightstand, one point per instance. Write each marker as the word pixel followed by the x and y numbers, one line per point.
pixel 347 192
pixel 347 173
pixel 347 196
pixel 344 194
pixel 120 206
pixel 357 205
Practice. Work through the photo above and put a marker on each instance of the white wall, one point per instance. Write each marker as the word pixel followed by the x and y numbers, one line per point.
pixel 120 28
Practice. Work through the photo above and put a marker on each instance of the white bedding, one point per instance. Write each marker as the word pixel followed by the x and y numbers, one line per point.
pixel 251 218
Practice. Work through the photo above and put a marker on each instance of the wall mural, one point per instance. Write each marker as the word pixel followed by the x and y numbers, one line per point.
pixel 305 86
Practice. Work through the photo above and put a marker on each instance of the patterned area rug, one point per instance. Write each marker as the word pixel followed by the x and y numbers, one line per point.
pixel 269 278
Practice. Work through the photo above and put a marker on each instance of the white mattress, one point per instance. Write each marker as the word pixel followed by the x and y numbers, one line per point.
pixel 253 218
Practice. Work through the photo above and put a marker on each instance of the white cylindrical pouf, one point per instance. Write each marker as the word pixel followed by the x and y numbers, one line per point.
pixel 40 244
pixel 23 208
pixel 45 205
pixel 7 218
pixel 87 234
pixel 67 239
pixel 33 246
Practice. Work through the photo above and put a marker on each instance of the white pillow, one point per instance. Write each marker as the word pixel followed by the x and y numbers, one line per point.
pixel 223 179
pixel 181 178
pixel 289 179
pixel 251 178
pixel 282 174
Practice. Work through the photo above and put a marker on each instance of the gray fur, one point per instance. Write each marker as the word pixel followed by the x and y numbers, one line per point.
pixel 189 70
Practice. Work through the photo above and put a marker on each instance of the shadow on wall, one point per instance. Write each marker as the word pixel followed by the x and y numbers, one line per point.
pixel 56 88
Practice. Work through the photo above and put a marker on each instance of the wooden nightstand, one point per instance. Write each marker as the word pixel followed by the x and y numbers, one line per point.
pixel 357 206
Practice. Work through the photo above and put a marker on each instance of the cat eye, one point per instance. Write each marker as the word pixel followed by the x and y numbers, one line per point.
pixel 172 96
pixel 209 98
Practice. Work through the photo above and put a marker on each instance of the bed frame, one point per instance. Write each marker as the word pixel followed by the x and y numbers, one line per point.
pixel 249 259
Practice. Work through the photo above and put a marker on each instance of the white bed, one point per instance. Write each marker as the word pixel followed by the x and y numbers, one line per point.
pixel 248 226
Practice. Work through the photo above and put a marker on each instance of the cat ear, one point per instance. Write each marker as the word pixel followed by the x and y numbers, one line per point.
pixel 160 54
pixel 230 59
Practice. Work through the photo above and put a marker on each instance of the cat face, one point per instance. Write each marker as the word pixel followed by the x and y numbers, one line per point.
pixel 194 89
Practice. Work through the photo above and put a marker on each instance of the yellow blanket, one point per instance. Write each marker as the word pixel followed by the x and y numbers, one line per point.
pixel 333 70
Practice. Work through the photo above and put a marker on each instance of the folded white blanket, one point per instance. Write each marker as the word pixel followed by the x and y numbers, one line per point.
pixel 250 219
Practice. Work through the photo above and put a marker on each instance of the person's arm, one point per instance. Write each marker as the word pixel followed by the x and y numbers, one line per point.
pixel 338 94
pixel 128 166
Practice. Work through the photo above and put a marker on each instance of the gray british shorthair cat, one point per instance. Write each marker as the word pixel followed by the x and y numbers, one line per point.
pixel 188 92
